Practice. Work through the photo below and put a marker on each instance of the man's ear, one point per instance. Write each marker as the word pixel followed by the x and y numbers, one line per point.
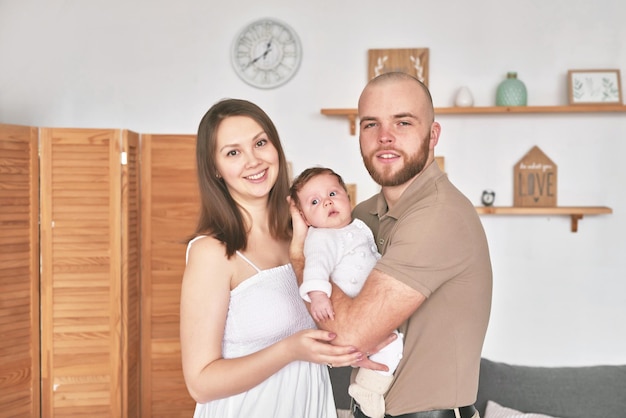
pixel 435 131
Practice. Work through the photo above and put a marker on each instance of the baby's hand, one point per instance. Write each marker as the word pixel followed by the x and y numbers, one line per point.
pixel 321 307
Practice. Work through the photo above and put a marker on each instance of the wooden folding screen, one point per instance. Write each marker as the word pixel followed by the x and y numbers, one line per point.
pixel 19 272
pixel 169 200
pixel 91 298
pixel 89 285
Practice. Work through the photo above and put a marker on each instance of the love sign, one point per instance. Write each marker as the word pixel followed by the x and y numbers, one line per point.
pixel 535 180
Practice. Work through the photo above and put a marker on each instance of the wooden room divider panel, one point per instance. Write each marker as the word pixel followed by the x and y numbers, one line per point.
pixel 95 312
pixel 89 298
pixel 169 200
pixel 131 277
pixel 19 271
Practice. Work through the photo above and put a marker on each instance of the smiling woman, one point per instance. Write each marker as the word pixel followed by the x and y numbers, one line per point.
pixel 236 348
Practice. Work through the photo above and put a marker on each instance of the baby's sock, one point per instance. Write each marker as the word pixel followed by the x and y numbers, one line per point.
pixel 368 390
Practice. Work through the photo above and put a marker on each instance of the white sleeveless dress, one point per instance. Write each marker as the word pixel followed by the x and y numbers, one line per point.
pixel 264 309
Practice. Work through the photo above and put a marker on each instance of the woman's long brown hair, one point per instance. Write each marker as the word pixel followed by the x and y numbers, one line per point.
pixel 220 216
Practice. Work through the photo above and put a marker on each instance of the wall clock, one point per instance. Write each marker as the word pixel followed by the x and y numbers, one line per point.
pixel 266 53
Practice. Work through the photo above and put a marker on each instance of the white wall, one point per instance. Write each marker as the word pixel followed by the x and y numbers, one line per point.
pixel 155 66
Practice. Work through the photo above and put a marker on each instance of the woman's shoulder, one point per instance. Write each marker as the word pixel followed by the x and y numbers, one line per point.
pixel 202 241
pixel 207 248
pixel 207 255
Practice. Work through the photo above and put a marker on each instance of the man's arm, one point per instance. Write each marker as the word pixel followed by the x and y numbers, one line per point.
pixel 382 305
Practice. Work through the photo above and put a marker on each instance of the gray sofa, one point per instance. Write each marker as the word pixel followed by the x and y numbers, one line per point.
pixel 563 392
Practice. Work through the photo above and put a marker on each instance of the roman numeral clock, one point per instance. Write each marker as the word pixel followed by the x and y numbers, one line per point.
pixel 266 53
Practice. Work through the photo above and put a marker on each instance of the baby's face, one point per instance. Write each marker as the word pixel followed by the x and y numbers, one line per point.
pixel 324 203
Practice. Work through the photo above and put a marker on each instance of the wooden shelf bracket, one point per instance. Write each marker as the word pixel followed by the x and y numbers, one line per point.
pixel 575 219
pixel 352 120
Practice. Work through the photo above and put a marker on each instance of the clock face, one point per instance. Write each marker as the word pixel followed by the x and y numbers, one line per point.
pixel 488 197
pixel 266 53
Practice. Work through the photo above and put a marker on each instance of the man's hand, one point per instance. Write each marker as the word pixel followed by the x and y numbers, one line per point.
pixel 366 363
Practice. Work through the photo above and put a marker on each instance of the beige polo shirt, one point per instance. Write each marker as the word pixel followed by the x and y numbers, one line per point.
pixel 433 241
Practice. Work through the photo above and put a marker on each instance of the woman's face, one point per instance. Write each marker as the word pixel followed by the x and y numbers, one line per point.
pixel 245 158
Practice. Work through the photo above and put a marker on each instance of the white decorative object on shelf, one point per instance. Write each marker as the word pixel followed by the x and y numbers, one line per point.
pixel 464 97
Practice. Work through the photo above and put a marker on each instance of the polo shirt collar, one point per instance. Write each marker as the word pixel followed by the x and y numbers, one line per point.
pixel 415 192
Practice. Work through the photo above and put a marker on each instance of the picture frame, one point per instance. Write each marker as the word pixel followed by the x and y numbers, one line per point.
pixel 352 193
pixel 441 162
pixel 596 87
pixel 413 61
pixel 290 170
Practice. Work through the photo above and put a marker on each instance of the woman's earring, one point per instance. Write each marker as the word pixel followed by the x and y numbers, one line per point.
pixel 217 176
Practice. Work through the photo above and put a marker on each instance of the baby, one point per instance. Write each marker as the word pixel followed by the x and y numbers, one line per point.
pixel 343 250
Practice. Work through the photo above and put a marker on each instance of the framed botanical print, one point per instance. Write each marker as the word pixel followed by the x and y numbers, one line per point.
pixel 413 61
pixel 594 87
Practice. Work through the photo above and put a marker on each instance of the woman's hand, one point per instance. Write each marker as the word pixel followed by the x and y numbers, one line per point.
pixel 296 247
pixel 314 346
pixel 300 229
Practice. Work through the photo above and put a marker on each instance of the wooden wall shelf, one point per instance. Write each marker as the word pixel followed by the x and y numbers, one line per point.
pixel 575 212
pixel 352 114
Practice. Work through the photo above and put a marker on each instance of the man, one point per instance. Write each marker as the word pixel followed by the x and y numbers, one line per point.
pixel 434 279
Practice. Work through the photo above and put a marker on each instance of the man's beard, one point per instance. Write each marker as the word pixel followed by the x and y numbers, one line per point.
pixel 414 164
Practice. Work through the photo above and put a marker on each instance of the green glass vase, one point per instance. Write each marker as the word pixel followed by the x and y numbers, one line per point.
pixel 511 92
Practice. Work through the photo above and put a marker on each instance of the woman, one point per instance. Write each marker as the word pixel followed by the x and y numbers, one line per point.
pixel 249 347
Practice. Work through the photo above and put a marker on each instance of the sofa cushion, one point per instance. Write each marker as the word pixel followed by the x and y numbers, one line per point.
pixel 566 392
pixel 495 410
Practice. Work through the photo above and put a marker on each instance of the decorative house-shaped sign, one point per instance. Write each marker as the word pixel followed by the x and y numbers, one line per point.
pixel 535 180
